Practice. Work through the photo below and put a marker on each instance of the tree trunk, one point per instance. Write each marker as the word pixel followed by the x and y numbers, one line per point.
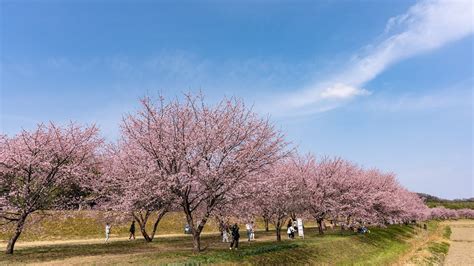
pixel 142 221
pixel 320 226
pixel 278 230
pixel 278 233
pixel 196 242
pixel 265 220
pixel 16 235
pixel 196 231
pixel 145 234
pixel 161 213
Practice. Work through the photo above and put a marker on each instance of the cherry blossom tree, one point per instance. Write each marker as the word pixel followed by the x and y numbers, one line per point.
pixel 324 186
pixel 353 201
pixel 411 207
pixel 35 165
pixel 444 213
pixel 388 201
pixel 466 213
pixel 381 196
pixel 336 188
pixel 279 193
pixel 206 155
pixel 130 182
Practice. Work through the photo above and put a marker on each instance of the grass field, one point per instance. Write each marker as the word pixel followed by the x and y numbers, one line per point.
pixel 381 246
pixel 77 238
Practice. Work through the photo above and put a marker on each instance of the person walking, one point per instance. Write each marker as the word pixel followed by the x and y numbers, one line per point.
pixel 132 231
pixel 107 232
pixel 248 227
pixel 235 237
pixel 291 232
pixel 225 233
pixel 289 228
pixel 252 231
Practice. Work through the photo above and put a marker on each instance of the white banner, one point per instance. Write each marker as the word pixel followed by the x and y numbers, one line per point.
pixel 300 227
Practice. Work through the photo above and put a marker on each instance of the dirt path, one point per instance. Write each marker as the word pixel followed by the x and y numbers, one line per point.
pixel 20 245
pixel 461 251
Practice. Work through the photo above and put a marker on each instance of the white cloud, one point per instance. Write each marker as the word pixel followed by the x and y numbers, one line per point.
pixel 342 91
pixel 426 26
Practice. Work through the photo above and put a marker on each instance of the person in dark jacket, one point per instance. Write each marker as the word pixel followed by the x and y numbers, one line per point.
pixel 235 237
pixel 132 231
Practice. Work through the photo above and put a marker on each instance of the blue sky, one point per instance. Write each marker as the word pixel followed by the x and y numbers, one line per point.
pixel 386 84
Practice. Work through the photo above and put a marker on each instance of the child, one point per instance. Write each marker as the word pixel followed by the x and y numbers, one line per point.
pixel 107 232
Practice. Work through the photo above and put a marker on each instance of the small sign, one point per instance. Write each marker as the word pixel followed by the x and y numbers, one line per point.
pixel 300 227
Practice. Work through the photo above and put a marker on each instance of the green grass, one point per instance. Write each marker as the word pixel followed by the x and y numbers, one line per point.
pixel 381 246
pixel 438 250
pixel 435 251
pixel 447 232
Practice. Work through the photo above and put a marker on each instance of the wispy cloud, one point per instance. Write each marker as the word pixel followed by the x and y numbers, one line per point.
pixel 452 97
pixel 426 26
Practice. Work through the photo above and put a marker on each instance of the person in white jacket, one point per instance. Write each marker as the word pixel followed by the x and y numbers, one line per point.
pixel 248 227
pixel 290 232
pixel 252 231
pixel 225 233
pixel 107 232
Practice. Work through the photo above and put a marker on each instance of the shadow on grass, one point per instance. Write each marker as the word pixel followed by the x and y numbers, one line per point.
pixel 65 251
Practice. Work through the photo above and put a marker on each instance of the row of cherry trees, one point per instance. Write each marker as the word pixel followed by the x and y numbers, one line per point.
pixel 443 213
pixel 336 190
pixel 209 161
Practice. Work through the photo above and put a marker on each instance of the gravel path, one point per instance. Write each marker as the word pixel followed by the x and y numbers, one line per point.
pixel 461 251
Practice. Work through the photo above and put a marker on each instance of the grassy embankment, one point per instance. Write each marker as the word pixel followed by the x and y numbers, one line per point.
pixel 90 225
pixel 434 249
pixel 439 248
pixel 381 246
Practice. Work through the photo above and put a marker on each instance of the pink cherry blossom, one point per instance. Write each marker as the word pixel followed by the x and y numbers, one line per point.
pixel 36 165
pixel 206 156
